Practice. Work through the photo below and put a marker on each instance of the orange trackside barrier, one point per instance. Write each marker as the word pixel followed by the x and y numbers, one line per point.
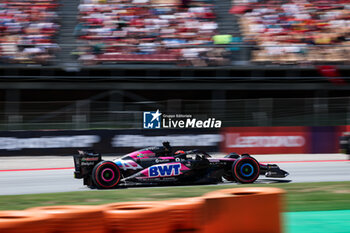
pixel 138 217
pixel 74 218
pixel 243 210
pixel 186 213
pixel 15 221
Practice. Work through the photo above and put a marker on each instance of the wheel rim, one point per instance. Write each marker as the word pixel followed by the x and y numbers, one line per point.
pixel 107 174
pixel 247 169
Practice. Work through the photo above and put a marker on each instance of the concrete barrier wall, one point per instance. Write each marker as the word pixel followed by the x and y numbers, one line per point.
pixel 253 140
pixel 66 142
pixel 282 140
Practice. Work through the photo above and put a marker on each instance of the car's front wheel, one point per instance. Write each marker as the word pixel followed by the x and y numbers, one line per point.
pixel 105 175
pixel 246 169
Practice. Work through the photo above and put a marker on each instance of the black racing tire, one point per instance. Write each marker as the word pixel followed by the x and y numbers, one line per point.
pixel 106 175
pixel 246 170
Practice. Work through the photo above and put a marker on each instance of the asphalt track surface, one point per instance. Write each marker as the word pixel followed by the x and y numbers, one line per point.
pixel 60 179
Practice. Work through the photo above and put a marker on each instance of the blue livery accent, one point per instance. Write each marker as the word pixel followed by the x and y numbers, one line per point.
pixel 164 170
pixel 119 164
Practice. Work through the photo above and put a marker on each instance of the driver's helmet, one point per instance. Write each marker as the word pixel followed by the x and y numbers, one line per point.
pixel 179 152
pixel 166 146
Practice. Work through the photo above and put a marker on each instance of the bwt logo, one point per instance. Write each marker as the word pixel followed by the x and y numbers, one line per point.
pixel 164 170
pixel 151 120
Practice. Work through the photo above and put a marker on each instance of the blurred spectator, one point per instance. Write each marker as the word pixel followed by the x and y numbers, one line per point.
pixel 144 30
pixel 27 31
pixel 185 3
pixel 303 31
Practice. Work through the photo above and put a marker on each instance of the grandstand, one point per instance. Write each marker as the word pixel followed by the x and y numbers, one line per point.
pixel 292 32
pixel 144 31
pixel 99 63
pixel 182 33
pixel 27 31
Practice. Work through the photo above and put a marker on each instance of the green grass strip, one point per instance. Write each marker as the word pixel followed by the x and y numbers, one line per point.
pixel 317 221
pixel 300 196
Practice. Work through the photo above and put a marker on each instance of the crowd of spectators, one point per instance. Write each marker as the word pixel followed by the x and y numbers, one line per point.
pixel 147 31
pixel 27 31
pixel 296 31
pixel 178 31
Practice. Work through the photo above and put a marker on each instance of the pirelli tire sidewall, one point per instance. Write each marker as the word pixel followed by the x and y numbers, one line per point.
pixel 246 169
pixel 106 175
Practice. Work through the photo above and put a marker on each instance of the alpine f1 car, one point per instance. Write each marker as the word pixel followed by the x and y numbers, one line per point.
pixel 160 166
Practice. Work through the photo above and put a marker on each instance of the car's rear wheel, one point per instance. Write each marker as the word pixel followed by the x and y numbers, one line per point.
pixel 105 175
pixel 245 169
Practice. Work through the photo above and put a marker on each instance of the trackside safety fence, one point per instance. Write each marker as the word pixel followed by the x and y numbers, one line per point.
pixel 239 210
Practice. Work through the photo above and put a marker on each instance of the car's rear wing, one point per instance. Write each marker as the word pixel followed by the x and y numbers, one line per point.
pixel 84 162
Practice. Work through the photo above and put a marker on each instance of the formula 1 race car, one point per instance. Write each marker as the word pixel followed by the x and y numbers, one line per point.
pixel 160 166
